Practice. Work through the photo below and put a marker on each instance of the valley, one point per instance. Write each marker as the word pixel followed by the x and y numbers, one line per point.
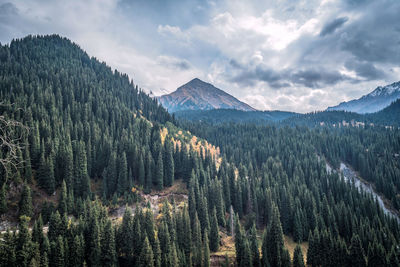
pixel 108 176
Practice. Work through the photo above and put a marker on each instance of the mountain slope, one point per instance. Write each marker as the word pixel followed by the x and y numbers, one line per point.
pixel 218 116
pixel 377 100
pixel 199 95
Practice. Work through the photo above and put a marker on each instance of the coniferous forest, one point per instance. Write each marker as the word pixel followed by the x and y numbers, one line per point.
pixel 87 143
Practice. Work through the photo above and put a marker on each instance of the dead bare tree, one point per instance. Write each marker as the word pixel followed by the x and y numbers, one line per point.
pixel 12 135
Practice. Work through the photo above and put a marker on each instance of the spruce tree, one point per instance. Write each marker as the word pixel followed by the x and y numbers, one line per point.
pixel 356 252
pixel 169 166
pixel 298 260
pixel 214 232
pixel 206 251
pixel 142 173
pixel 254 246
pixel 58 256
pixel 82 182
pixel 146 258
pixel 122 184
pixel 274 244
pixel 3 199
pixel 25 203
pixel 108 250
pixel 77 251
pixel 160 172
pixel 62 202
pixel 94 247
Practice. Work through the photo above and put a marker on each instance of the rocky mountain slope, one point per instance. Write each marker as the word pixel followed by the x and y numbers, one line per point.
pixel 199 95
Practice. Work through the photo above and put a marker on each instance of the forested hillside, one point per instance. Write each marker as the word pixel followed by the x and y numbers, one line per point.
pixel 95 143
pixel 285 166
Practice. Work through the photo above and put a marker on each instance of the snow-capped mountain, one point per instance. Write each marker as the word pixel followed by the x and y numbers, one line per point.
pixel 199 95
pixel 375 101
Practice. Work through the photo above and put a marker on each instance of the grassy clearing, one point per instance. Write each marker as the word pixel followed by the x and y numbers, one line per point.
pixel 291 245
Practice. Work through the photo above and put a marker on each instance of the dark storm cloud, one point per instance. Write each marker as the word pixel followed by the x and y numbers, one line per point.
pixel 374 37
pixel 333 25
pixel 365 70
pixel 310 78
pixel 316 78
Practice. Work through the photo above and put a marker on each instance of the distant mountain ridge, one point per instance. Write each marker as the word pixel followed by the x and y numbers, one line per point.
pixel 375 101
pixel 199 95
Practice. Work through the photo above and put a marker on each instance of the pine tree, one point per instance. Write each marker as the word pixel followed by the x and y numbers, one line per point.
pixel 142 173
pixel 122 184
pixel 196 242
pixel 376 254
pixel 94 244
pixel 157 253
pixel 160 172
pixel 77 251
pixel 37 231
pixel 214 232
pixel 82 182
pixel 169 171
pixel 206 250
pixel 356 252
pixel 149 173
pixel 298 260
pixel 25 204
pixel 146 258
pixel 58 256
pixel 254 246
pixel 45 174
pixel 62 202
pixel 125 235
pixel 3 199
pixel 55 226
pixel 243 254
pixel 274 244
pixel 108 250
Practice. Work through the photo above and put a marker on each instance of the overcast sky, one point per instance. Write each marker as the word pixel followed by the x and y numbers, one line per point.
pixel 297 55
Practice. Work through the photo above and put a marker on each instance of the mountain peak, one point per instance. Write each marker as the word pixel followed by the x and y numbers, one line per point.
pixel 200 95
pixel 375 101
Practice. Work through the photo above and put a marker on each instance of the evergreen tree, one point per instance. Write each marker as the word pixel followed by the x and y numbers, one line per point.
pixel 122 184
pixel 169 171
pixel 356 252
pixel 82 182
pixel 274 245
pixel 58 256
pixel 255 253
pixel 142 173
pixel 62 202
pixel 206 250
pixel 25 204
pixel 77 251
pixel 376 254
pixel 3 199
pixel 55 226
pixel 214 232
pixel 146 258
pixel 94 247
pixel 298 260
pixel 160 172
pixel 45 174
pixel 108 249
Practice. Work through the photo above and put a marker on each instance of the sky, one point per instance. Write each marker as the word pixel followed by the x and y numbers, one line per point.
pixel 295 55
